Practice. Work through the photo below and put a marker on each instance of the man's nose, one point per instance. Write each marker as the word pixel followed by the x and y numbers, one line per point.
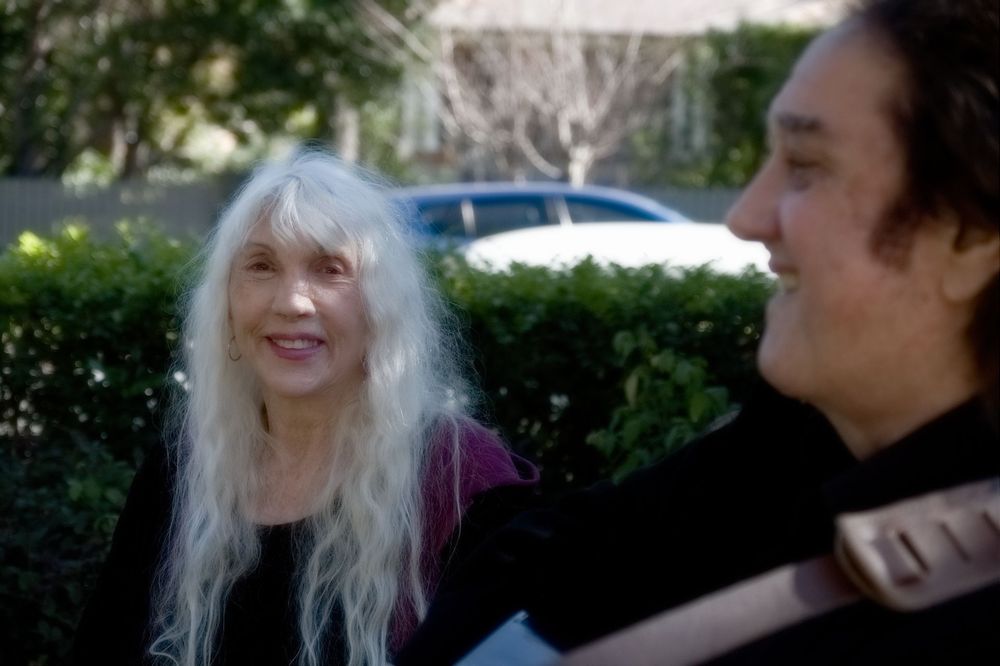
pixel 754 215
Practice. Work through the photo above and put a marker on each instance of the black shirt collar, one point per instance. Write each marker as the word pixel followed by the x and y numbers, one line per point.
pixel 959 447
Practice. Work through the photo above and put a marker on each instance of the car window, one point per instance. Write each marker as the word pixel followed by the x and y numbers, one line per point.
pixel 581 211
pixel 494 216
pixel 443 218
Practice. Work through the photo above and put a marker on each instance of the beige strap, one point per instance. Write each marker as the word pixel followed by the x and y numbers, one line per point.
pixel 925 550
pixel 908 556
pixel 721 622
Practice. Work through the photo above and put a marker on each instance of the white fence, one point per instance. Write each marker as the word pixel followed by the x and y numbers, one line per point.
pixel 41 204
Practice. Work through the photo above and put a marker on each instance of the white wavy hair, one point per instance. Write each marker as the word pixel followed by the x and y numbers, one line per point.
pixel 363 549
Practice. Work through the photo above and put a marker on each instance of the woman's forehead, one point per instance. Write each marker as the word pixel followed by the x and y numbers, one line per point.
pixel 263 235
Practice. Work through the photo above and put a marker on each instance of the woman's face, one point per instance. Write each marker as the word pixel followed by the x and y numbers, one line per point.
pixel 297 314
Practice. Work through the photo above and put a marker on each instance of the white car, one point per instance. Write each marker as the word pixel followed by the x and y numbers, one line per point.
pixel 677 244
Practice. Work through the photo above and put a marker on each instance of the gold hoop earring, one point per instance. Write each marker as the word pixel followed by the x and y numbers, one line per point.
pixel 229 350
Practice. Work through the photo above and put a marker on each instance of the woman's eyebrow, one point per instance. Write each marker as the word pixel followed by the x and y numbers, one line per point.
pixel 256 245
pixel 332 253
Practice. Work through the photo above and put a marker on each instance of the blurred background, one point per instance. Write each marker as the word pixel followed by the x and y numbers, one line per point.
pixel 112 108
pixel 126 125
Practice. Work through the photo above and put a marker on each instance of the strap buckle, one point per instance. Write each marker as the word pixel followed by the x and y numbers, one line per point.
pixel 924 550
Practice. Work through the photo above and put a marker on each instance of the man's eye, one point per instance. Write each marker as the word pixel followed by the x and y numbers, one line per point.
pixel 259 266
pixel 799 171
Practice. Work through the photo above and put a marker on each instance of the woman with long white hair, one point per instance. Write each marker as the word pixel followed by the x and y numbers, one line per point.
pixel 322 472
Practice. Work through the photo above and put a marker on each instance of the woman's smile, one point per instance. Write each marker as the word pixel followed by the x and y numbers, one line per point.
pixel 295 347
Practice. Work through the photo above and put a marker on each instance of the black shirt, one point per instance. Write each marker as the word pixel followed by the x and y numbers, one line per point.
pixel 260 623
pixel 755 494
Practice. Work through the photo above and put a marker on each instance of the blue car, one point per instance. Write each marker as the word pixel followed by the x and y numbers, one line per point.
pixel 463 212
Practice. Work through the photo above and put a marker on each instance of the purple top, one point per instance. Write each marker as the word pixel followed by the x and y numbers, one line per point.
pixel 484 463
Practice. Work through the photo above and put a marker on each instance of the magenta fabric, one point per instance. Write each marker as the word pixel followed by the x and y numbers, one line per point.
pixel 484 463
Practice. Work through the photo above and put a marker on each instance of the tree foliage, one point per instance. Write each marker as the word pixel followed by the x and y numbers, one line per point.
pixel 131 81
pixel 728 83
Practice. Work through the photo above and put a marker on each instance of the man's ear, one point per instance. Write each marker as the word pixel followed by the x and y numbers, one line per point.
pixel 974 261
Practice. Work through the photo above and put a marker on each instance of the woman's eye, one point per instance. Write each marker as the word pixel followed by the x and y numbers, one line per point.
pixel 258 268
pixel 333 267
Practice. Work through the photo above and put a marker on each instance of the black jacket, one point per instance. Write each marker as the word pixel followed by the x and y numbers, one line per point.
pixel 755 494
pixel 260 623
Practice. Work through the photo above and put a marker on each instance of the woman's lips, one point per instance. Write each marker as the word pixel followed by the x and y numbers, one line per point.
pixel 294 348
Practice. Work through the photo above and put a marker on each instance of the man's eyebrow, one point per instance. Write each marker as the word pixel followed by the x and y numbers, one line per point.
pixel 799 124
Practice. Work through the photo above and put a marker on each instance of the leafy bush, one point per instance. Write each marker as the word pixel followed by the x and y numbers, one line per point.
pixel 627 359
pixel 666 405
pixel 543 346
pixel 59 508
pixel 86 331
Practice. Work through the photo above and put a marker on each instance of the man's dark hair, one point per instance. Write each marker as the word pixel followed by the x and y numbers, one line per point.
pixel 948 120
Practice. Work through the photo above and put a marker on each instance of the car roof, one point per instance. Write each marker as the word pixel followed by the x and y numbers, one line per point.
pixel 425 194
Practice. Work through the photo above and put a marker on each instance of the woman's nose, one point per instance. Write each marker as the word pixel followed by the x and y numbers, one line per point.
pixel 754 215
pixel 294 298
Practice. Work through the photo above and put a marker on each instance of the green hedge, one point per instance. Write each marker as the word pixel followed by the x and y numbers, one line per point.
pixel 545 353
pixel 589 371
pixel 86 330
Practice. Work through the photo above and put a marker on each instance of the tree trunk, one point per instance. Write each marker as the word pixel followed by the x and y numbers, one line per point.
pixel 348 128
pixel 581 158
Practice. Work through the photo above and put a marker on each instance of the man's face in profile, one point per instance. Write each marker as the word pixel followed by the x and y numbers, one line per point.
pixel 843 318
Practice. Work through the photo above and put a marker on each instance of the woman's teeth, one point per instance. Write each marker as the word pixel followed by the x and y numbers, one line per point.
pixel 296 344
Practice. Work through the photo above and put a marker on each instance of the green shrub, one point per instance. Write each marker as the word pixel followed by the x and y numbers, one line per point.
pixel 627 359
pixel 86 332
pixel 667 403
pixel 543 346
pixel 60 505
pixel 87 328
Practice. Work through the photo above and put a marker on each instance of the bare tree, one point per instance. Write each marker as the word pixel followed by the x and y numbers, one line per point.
pixel 559 100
